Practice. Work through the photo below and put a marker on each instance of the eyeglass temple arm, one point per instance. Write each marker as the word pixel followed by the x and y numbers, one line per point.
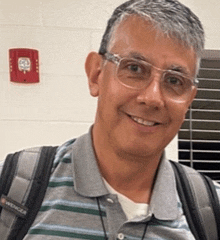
pixel 112 57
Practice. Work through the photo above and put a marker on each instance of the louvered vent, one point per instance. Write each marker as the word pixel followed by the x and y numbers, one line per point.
pixel 199 137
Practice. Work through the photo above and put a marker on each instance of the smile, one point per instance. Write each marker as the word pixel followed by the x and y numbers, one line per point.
pixel 144 122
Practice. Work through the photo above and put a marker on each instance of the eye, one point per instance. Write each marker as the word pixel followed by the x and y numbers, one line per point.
pixel 133 67
pixel 175 80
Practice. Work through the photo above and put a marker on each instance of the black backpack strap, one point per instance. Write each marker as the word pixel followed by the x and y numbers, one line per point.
pixel 197 202
pixel 23 184
pixel 214 200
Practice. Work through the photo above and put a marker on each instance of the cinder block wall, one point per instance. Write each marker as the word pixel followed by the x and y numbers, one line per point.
pixel 60 107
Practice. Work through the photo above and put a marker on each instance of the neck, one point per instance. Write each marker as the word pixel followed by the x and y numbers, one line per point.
pixel 130 175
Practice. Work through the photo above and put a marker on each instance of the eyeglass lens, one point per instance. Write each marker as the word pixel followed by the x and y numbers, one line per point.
pixel 137 74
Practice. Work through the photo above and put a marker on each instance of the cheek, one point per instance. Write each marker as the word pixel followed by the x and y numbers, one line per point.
pixel 108 98
pixel 112 92
pixel 177 112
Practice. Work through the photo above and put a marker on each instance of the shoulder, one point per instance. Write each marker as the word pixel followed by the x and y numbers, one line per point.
pixel 64 151
pixel 60 152
pixel 193 171
pixel 197 179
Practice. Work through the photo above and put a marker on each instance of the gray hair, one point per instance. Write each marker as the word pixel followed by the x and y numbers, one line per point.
pixel 169 16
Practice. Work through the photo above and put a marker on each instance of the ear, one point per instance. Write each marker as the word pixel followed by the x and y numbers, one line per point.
pixel 93 66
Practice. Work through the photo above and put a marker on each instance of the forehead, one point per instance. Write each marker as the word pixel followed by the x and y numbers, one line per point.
pixel 136 34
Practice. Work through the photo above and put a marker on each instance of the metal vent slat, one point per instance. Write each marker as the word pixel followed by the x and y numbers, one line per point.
pixel 199 137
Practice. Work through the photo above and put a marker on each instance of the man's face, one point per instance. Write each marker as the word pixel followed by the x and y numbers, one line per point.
pixel 140 123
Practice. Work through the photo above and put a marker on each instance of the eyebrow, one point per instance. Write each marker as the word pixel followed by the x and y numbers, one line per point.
pixel 138 56
pixel 174 67
pixel 180 69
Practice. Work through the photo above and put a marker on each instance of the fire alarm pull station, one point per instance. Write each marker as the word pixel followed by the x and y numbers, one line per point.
pixel 24 65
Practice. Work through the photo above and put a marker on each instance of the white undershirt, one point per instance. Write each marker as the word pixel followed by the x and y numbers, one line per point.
pixel 130 208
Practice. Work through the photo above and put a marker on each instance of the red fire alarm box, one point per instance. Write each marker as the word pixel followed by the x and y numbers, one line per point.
pixel 24 65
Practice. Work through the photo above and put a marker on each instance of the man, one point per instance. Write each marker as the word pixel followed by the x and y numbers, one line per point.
pixel 115 181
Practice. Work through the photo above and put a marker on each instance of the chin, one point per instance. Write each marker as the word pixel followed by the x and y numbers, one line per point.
pixel 138 151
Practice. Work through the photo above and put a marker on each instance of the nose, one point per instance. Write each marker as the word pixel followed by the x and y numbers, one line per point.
pixel 152 95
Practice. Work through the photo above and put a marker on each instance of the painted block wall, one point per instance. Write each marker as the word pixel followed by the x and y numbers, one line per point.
pixel 60 107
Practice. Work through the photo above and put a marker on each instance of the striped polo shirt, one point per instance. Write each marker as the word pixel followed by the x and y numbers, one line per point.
pixel 77 204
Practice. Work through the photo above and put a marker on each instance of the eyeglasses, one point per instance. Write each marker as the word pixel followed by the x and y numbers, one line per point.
pixel 136 74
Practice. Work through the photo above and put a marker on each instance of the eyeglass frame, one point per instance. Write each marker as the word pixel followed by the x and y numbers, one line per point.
pixel 116 59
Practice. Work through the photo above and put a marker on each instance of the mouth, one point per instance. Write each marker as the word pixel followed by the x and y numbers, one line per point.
pixel 144 122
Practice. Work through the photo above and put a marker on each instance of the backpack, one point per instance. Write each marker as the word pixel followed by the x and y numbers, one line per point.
pixel 26 174
pixel 200 202
pixel 23 183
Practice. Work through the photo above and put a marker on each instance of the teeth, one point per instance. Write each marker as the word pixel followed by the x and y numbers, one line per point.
pixel 142 121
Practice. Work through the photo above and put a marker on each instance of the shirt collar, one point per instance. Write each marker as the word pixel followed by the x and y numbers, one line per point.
pixel 164 200
pixel 87 177
pixel 88 181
